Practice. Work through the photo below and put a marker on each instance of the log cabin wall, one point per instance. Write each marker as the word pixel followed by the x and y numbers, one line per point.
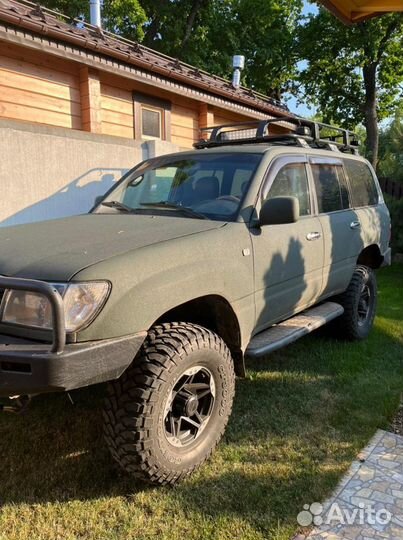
pixel 37 87
pixel 117 111
pixel 186 115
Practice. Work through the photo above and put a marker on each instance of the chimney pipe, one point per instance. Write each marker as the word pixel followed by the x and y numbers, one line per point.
pixel 238 63
pixel 95 13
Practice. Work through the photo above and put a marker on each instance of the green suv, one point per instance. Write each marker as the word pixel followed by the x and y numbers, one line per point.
pixel 191 263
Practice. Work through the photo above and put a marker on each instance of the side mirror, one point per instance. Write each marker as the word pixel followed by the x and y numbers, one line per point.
pixel 98 199
pixel 279 210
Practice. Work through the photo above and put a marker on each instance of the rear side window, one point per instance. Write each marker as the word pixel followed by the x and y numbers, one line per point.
pixel 363 187
pixel 331 187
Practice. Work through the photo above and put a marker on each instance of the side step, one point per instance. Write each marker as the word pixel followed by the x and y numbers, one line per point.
pixel 286 332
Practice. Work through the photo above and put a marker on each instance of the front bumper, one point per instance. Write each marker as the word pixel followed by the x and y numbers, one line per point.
pixel 29 367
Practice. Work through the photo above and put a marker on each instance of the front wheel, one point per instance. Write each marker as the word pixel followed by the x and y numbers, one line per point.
pixel 359 302
pixel 168 411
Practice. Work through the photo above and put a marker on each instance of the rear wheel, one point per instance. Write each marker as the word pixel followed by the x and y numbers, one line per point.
pixel 168 411
pixel 359 302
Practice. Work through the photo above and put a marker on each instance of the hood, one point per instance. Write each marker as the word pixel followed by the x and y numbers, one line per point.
pixel 56 250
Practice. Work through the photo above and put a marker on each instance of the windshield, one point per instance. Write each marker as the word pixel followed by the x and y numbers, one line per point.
pixel 208 186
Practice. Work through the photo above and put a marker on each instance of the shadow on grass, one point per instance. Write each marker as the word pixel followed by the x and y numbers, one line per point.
pixel 55 451
pixel 272 454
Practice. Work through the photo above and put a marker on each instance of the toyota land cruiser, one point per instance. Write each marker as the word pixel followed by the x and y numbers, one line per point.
pixel 191 263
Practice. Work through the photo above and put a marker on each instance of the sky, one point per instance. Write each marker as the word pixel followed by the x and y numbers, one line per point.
pixel 302 109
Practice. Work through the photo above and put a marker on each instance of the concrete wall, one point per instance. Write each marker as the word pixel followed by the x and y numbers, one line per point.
pixel 49 172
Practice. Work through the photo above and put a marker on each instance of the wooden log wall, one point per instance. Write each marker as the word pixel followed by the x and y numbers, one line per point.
pixel 38 87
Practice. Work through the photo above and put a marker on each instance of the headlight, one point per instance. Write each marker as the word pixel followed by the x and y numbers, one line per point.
pixel 82 303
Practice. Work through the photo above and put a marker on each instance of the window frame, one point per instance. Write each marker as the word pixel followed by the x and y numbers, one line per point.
pixel 272 171
pixel 163 106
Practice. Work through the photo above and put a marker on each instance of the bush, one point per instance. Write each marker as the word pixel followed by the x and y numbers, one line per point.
pixel 396 213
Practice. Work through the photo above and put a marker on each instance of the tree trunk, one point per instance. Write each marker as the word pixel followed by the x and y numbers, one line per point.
pixel 274 93
pixel 370 111
pixel 152 32
pixel 196 6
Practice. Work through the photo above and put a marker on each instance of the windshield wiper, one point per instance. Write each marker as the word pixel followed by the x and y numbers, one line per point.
pixel 184 209
pixel 118 205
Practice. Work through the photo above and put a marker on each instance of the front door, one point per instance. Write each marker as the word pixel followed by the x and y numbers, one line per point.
pixel 289 257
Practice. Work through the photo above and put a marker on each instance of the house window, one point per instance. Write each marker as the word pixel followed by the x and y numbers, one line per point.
pixel 151 123
pixel 152 118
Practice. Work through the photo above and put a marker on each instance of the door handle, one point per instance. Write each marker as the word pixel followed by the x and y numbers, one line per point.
pixel 355 225
pixel 313 236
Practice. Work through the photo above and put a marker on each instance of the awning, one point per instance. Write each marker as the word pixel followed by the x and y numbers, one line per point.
pixel 352 11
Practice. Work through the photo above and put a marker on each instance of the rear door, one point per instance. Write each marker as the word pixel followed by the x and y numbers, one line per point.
pixel 288 258
pixel 374 221
pixel 339 223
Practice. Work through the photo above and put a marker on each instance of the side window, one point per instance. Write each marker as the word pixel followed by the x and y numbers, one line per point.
pixel 331 189
pixel 364 191
pixel 292 181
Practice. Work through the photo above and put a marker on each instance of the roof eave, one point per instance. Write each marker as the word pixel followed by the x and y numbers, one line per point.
pixel 352 17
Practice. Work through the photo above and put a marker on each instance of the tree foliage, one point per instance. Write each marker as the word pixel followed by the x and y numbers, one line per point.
pixel 352 73
pixel 391 148
pixel 71 8
pixel 127 17
pixel 207 33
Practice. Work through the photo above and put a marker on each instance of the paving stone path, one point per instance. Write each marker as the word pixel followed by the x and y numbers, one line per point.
pixel 368 503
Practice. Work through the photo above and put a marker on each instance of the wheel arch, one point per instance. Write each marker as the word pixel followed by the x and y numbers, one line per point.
pixel 371 256
pixel 215 313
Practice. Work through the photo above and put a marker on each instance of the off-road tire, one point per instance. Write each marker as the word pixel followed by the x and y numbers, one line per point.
pixel 136 403
pixel 350 325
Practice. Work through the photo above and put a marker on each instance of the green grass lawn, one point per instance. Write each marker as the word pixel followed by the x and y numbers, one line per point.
pixel 299 420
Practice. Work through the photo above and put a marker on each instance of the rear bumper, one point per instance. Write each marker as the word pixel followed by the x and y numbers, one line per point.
pixel 28 367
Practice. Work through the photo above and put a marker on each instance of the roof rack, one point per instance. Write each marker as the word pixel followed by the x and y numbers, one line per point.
pixel 305 134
